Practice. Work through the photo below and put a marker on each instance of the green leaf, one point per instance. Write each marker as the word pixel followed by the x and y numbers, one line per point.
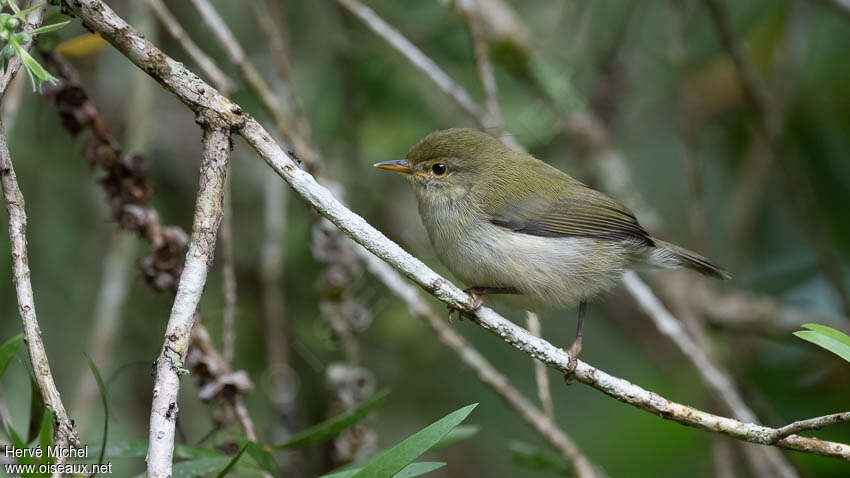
pixel 198 467
pixel 838 348
pixel 8 350
pixel 419 468
pixel 18 442
pixel 260 455
pixel 829 332
pixel 47 28
pixel 409 471
pixel 15 7
pixel 45 436
pixel 538 459
pixel 263 458
pixel 333 426
pixel 396 458
pixel 22 13
pixel 37 411
pixel 232 462
pixel 458 433
pixel 101 388
pixel 139 448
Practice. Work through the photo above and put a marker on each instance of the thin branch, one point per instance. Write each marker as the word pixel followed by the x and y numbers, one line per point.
pixel 228 272
pixel 542 422
pixel 419 60
pixel 795 184
pixel 64 433
pixel 204 62
pixel 544 394
pixel 169 364
pixel 811 424
pixel 713 377
pixel 255 80
pixel 482 63
pixel 186 86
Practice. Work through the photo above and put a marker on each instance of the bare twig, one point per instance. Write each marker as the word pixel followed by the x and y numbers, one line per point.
pixel 255 80
pixel 482 63
pixel 186 86
pixel 419 59
pixel 542 422
pixel 64 433
pixel 796 185
pixel 12 102
pixel 714 378
pixel 204 62
pixel 532 323
pixel 228 272
pixel 169 364
pixel 811 424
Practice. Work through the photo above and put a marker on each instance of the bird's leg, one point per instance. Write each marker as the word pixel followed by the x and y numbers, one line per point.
pixel 477 301
pixel 575 348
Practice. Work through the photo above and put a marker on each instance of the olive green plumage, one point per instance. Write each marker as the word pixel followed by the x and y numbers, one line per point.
pixel 502 218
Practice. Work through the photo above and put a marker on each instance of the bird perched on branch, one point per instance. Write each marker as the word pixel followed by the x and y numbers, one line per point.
pixel 507 223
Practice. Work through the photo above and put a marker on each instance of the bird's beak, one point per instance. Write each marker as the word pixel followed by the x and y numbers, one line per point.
pixel 397 165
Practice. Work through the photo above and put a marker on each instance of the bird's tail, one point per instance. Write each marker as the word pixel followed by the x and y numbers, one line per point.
pixel 668 255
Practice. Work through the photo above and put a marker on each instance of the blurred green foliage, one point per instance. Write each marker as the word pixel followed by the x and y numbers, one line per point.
pixel 367 104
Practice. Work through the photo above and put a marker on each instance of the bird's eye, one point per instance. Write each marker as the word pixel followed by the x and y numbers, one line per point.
pixel 438 169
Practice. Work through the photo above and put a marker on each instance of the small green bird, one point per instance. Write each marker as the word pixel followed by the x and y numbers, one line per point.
pixel 507 223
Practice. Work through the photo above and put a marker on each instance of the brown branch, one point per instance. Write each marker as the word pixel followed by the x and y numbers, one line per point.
pixel 532 323
pixel 811 424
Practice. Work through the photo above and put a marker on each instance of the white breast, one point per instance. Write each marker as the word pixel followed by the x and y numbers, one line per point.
pixel 549 272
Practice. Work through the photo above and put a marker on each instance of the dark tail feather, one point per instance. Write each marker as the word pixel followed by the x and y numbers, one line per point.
pixel 671 255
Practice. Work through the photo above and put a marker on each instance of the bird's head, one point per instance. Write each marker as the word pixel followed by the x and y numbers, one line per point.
pixel 447 165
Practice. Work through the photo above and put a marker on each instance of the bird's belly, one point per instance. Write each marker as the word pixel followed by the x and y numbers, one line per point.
pixel 548 272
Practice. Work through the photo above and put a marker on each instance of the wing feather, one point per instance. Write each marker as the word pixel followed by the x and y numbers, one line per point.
pixel 580 212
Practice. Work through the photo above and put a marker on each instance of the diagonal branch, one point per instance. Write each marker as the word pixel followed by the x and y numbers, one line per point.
pixel 202 98
pixel 543 422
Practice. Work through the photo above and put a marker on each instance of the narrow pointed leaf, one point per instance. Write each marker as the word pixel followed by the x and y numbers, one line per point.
pixel 37 410
pixel 392 461
pixel 458 433
pixel 8 350
pixel 829 332
pixel 409 471
pixel 232 462
pixel 834 346
pixel 333 426
pixel 101 388
pixel 47 28
pixel 199 467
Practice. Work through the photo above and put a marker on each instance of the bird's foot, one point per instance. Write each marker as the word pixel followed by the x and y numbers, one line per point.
pixel 477 302
pixel 572 352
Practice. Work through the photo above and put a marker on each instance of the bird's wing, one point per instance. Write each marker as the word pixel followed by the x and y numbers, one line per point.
pixel 577 212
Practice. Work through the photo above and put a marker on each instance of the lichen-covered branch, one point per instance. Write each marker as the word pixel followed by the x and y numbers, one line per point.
pixel 64 433
pixel 202 98
pixel 542 421
pixel 169 364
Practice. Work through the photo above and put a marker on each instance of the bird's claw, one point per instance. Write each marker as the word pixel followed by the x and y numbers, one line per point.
pixel 572 363
pixel 477 302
